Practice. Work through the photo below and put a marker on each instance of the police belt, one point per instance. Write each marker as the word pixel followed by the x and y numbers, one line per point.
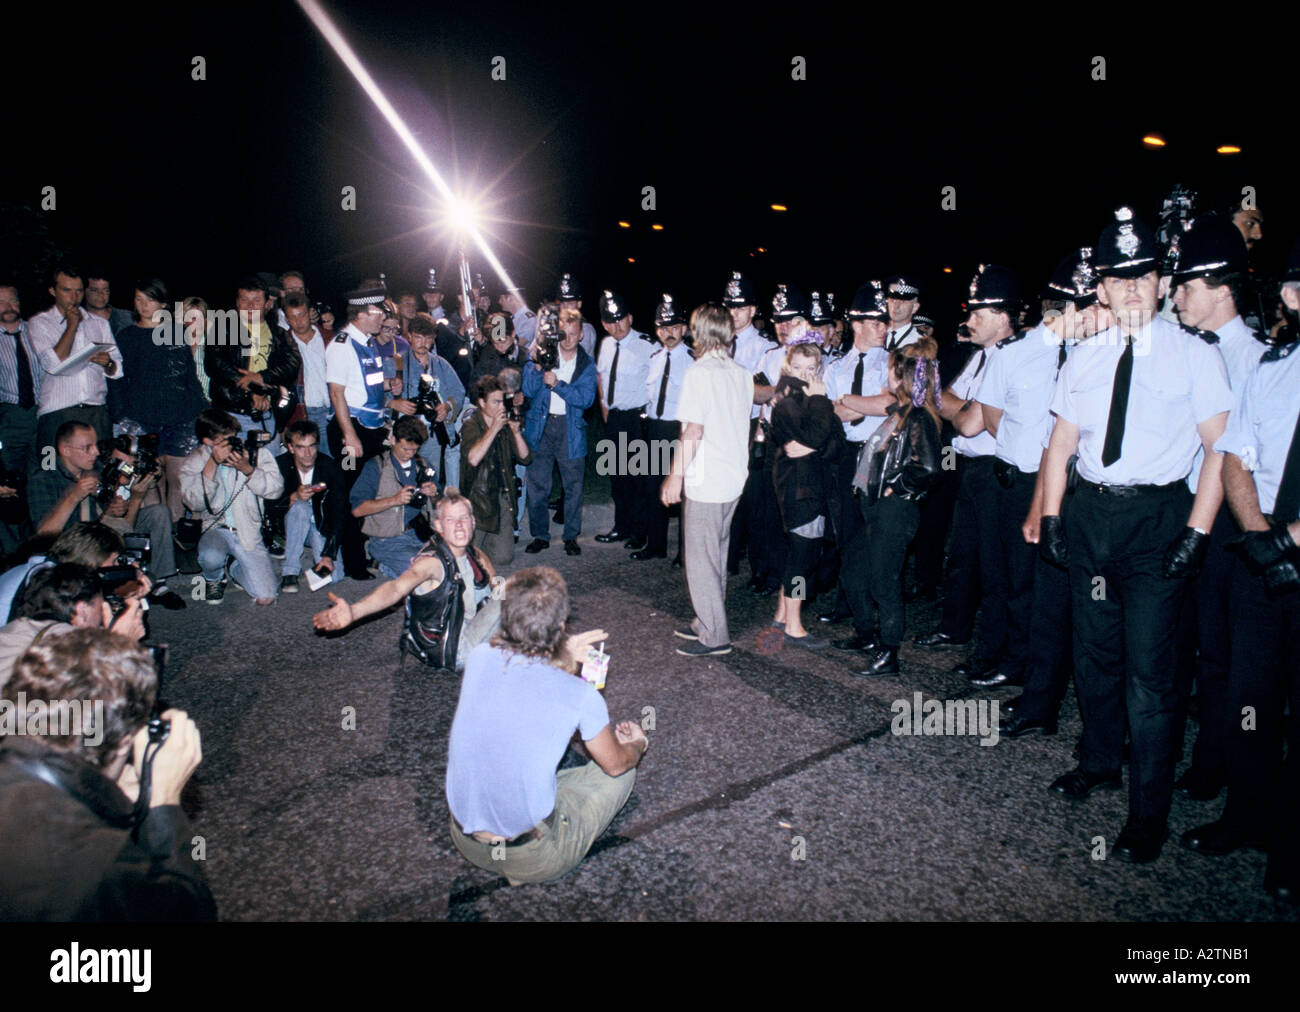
pixel 528 836
pixel 1129 491
pixel 1008 474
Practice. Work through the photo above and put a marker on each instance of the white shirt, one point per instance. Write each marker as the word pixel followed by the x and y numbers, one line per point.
pixel 634 353
pixel 1241 351
pixel 750 347
pixel 681 361
pixel 967 387
pixel 314 385
pixel 1178 382
pixel 1263 422
pixel 770 366
pixel 902 337
pixel 86 384
pixel 563 372
pixel 588 340
pixel 875 380
pixel 305 476
pixel 344 368
pixel 717 394
pixel 1019 382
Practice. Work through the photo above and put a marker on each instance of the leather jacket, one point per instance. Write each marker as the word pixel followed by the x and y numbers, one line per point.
pixel 329 508
pixel 223 362
pixel 910 463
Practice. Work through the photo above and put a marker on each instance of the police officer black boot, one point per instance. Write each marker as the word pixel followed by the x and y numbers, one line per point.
pixel 881 661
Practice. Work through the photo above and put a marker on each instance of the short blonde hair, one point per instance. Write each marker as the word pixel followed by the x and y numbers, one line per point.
pixel 804 349
pixel 711 328
pixel 570 314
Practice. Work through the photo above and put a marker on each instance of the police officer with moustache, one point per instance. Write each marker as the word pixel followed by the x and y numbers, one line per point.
pixel 904 295
pixel 1261 477
pixel 354 374
pixel 858 385
pixel 976 580
pixel 767 538
pixel 622 368
pixel 668 365
pixel 1209 276
pixel 1135 403
pixel 748 347
pixel 1016 403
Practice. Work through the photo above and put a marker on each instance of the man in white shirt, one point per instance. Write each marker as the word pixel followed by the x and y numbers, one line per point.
pixel 903 294
pixel 313 391
pixel 78 393
pixel 622 366
pixel 713 407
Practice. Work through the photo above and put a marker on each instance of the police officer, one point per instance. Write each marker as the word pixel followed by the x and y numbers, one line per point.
pixel 622 369
pixel 432 296
pixel 569 296
pixel 858 385
pixel 976 581
pixel 1261 477
pixel 1135 403
pixel 821 318
pixel 1015 399
pixel 668 365
pixel 354 373
pixel 1209 277
pixel 749 345
pixel 904 295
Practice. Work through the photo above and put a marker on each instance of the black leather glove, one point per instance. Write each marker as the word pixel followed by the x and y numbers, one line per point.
pixel 1271 555
pixel 1051 541
pixel 1185 555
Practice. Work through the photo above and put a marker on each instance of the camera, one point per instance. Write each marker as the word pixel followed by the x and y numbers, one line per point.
pixel 278 396
pixel 546 353
pixel 426 402
pixel 117 582
pixel 255 441
pixel 418 499
pixel 514 412
pixel 118 477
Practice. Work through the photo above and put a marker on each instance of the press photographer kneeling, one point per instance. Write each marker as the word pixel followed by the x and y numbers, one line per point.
pixel 393 491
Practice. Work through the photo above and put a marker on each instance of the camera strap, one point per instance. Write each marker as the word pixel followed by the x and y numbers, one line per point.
pixel 207 503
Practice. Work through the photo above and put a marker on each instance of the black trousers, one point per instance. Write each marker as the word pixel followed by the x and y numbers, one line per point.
pixel 1050 661
pixel 1203 647
pixel 932 532
pixel 976 582
pixel 846 520
pixel 629 519
pixel 887 529
pixel 1264 675
pixel 353 547
pixel 1126 634
pixel 659 433
pixel 745 521
pixel 1018 559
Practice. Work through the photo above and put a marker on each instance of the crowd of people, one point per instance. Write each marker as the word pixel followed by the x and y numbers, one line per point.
pixel 1106 491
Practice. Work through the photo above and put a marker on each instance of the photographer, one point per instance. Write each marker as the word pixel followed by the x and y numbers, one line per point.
pixel 251 378
pixel 419 361
pixel 69 846
pixel 227 491
pixel 76 490
pixel 313 506
pixel 450 608
pixel 93 545
pixel 63 597
pixel 390 493
pixel 511 812
pixel 491 445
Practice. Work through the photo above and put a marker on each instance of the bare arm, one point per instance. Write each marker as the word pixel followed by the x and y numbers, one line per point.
pixel 877 404
pixel 1063 445
pixel 1209 490
pixel 992 419
pixel 1243 496
pixel 617 755
pixel 969 420
pixel 341 614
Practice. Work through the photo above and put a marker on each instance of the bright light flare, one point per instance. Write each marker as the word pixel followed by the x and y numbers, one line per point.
pixel 1153 141
pixel 459 208
pixel 779 207
pixel 624 224
pixel 657 228
pixel 1228 149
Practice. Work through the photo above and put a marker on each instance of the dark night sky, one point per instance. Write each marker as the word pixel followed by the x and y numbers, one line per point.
pixel 201 181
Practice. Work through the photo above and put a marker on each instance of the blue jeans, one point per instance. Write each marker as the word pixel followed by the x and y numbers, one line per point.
pixel 521 472
pixel 394 555
pixel 247 425
pixel 252 569
pixel 299 526
pixel 321 416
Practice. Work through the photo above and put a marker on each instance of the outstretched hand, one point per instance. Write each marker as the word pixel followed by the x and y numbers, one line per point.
pixel 337 617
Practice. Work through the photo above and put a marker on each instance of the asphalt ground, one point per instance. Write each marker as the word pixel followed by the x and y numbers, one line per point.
pixel 774 787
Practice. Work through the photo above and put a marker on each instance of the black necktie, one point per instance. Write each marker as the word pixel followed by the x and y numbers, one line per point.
pixel 663 386
pixel 613 374
pixel 1287 504
pixel 1111 449
pixel 857 375
pixel 1060 357
pixel 983 354
pixel 26 392
pixel 890 345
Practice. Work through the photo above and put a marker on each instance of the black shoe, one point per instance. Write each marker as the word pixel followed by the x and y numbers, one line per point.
pixel 807 642
pixel 364 574
pixel 836 616
pixel 881 661
pixel 637 544
pixel 1078 784
pixel 168 598
pixel 645 553
pixel 994 679
pixel 1201 784
pixel 1282 878
pixel 289 583
pixel 536 545
pixel 558 518
pixel 698 649
pixel 855 642
pixel 1217 839
pixel 1020 726
pixel 678 562
pixel 610 537
pixel 937 640
pixel 975 668
pixel 764 591
pixel 214 591
pixel 1011 705
pixel 1141 839
pixel 571 547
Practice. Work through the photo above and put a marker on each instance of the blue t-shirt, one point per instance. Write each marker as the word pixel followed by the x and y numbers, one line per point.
pixel 13 579
pixel 513 722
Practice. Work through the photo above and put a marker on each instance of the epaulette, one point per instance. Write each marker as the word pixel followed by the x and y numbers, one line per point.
pixel 341 337
pixel 1012 339
pixel 1208 336
pixel 1279 352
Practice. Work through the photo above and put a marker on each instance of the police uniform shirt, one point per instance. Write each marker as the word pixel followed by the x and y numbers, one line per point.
pixel 681 361
pixel 1263 421
pixel 875 380
pixel 770 366
pixel 1178 381
pixel 633 366
pixel 525 322
pixel 344 368
pixel 750 347
pixel 902 337
pixel 967 387
pixel 588 340
pixel 1241 351
pixel 1019 382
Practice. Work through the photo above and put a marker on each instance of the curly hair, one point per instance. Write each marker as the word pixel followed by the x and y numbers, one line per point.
pixel 534 607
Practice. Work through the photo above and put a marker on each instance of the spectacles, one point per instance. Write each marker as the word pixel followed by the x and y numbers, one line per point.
pixel 389 330
pixel 87 448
